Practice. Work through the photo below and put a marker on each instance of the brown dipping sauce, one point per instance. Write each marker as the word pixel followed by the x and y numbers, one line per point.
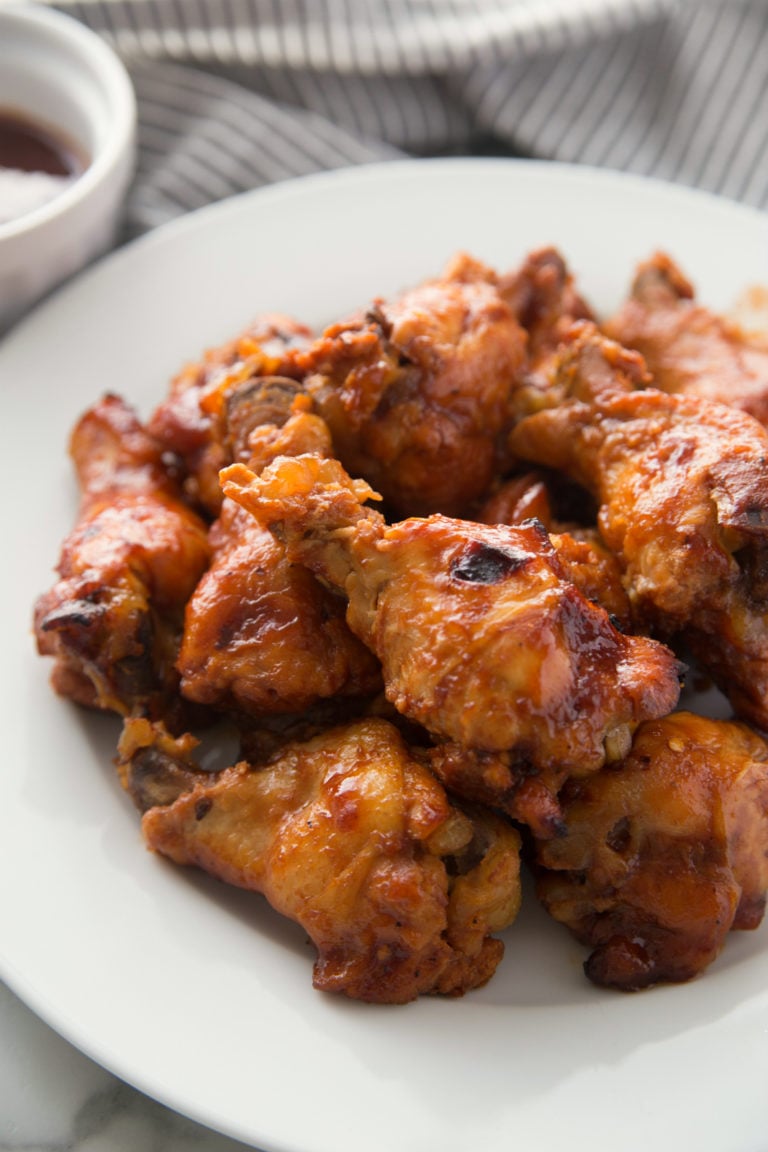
pixel 36 151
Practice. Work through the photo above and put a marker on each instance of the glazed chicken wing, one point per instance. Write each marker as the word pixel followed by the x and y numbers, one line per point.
pixel 267 417
pixel 113 620
pixel 544 298
pixel 683 489
pixel 350 835
pixel 663 854
pixel 188 422
pixel 482 639
pixel 689 349
pixel 261 634
pixel 416 392
pixel 587 562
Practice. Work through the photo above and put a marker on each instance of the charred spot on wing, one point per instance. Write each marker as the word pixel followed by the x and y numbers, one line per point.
pixel 377 317
pixel 72 616
pixel 620 836
pixel 482 563
pixel 540 528
pixel 203 807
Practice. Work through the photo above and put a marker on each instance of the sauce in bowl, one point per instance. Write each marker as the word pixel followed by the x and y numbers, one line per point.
pixel 36 164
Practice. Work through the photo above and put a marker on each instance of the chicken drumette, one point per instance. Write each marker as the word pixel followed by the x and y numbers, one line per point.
pixel 482 638
pixel 350 835
pixel 661 855
pixel 682 485
pixel 113 620
pixel 416 392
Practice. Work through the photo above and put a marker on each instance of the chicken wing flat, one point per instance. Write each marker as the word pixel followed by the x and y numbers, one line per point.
pixel 188 421
pixel 113 620
pixel 416 392
pixel 482 639
pixel 351 836
pixel 688 348
pixel 662 855
pixel 261 634
pixel 683 488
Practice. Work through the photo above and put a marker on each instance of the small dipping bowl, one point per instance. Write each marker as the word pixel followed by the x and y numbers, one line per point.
pixel 61 81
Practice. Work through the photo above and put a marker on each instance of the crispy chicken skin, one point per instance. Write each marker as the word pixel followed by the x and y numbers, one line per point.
pixel 113 620
pixel 683 489
pixel 482 638
pixel 189 421
pixel 595 571
pixel 543 296
pixel 587 562
pixel 351 836
pixel 688 348
pixel 416 392
pixel 261 634
pixel 663 854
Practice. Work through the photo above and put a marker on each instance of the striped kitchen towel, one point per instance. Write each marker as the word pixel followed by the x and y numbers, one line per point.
pixel 234 94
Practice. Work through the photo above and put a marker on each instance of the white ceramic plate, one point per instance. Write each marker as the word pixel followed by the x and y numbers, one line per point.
pixel 198 994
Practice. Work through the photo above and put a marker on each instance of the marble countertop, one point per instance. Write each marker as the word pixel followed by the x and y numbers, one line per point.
pixel 54 1099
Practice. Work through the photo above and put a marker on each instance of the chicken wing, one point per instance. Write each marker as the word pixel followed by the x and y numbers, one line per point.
pixel 113 620
pixel 688 348
pixel 350 835
pixel 188 421
pixel 543 296
pixel 683 489
pixel 416 392
pixel 261 634
pixel 663 854
pixel 482 639
pixel 586 560
pixel 267 417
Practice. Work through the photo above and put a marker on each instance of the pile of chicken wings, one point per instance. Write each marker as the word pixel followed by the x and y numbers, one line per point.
pixel 444 567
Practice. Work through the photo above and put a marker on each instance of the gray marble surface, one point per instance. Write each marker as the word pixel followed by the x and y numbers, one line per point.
pixel 54 1099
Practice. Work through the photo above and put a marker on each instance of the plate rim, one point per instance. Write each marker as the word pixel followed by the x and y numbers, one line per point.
pixel 372 171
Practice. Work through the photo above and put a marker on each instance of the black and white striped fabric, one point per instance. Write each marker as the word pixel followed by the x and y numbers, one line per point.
pixel 234 94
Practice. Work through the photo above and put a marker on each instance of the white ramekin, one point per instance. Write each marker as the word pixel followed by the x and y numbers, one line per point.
pixel 57 72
